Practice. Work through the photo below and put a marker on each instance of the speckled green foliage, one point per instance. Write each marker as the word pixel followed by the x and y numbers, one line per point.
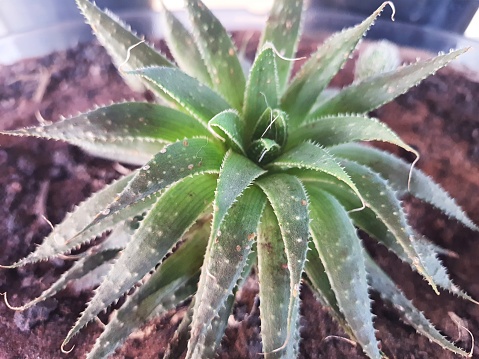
pixel 258 171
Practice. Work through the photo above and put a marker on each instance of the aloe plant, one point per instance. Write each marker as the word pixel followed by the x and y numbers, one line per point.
pixel 240 170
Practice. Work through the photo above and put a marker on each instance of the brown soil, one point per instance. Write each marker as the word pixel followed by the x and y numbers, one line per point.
pixel 42 178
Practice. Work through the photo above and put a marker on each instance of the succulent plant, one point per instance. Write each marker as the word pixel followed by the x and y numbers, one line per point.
pixel 241 170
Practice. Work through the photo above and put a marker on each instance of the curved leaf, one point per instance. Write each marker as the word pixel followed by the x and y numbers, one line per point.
pixel 341 252
pixel 369 222
pixel 218 325
pixel 189 94
pixel 383 201
pixel 335 130
pixel 283 30
pixel 236 174
pixel 162 227
pixel 130 132
pixel 79 269
pixel 261 89
pixel 388 291
pixel 117 38
pixel 321 286
pixel 173 163
pixel 317 72
pixel 178 345
pixel 373 92
pixel 226 256
pixel 274 289
pixel 395 171
pixel 218 52
pixel 57 242
pixel 230 124
pixel 92 265
pixel 310 156
pixel 290 205
pixel 184 48
pixel 174 281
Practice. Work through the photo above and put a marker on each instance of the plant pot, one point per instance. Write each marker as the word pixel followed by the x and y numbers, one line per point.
pixel 449 15
pixel 39 178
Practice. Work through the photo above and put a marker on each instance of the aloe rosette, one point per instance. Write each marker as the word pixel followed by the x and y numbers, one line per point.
pixel 242 170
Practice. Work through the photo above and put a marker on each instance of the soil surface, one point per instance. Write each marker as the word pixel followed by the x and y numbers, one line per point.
pixel 45 179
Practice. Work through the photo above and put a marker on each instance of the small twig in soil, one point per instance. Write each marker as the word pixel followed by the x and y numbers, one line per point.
pixel 347 340
pixel 43 82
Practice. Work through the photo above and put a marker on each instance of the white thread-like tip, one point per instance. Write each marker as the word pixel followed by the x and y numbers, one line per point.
pixel 70 257
pixel 409 179
pixel 49 223
pixel 393 8
pixel 347 340
pixel 286 58
pixel 271 121
pixel 128 54
pixel 455 319
pixel 17 309
pixel 66 351
pixel 41 119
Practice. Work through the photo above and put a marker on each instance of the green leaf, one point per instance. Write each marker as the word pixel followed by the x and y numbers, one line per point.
pixel 79 269
pixel 178 345
pixel 236 174
pixel 317 72
pixel 184 47
pixel 273 125
pixel 179 342
pixel 226 256
pixel 218 52
pixel 93 264
pixel 290 205
pixel 388 291
pixel 229 124
pixel 312 157
pixel 335 130
pixel 368 221
pixel 373 92
pixel 174 281
pixel 130 132
pixel 274 288
pixel 173 163
pixel 322 288
pixel 395 171
pixel 342 255
pixel 57 242
pixel 220 322
pixel 264 150
pixel 117 38
pixel 261 89
pixel 195 98
pixel 283 30
pixel 162 227
pixel 380 197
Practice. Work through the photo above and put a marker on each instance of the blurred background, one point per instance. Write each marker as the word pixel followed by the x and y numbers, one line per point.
pixel 36 27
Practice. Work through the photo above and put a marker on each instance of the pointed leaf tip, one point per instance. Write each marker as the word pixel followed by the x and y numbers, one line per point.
pixel 293 221
pixel 218 52
pixel 283 30
pixel 162 227
pixel 322 66
pixel 335 237
pixel 372 92
pixel 118 39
